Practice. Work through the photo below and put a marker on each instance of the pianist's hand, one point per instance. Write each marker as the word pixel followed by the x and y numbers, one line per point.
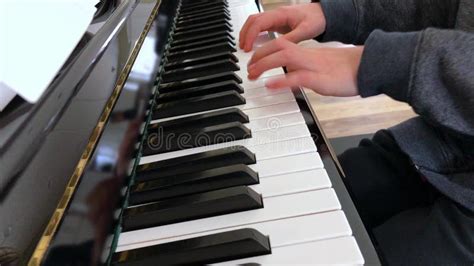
pixel 327 71
pixel 298 23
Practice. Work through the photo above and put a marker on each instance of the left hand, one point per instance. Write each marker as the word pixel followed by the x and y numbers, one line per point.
pixel 327 71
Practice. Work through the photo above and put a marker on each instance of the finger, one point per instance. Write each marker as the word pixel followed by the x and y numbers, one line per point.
pixel 293 79
pixel 274 60
pixel 269 48
pixel 243 30
pixel 261 23
pixel 291 58
pixel 295 35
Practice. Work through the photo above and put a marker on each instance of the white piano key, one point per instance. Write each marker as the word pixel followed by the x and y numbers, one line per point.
pixel 288 164
pixel 283 148
pixel 239 3
pixel 275 122
pixel 239 15
pixel 250 104
pixel 258 138
pixel 268 118
pixel 282 232
pixel 263 152
pixel 262 92
pixel 243 73
pixel 252 84
pixel 272 110
pixel 239 12
pixel 342 250
pixel 275 208
pixel 293 161
pixel 292 183
pixel 244 57
pixel 256 113
pixel 268 100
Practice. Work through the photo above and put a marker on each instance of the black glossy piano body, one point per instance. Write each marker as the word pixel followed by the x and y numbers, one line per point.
pixel 69 156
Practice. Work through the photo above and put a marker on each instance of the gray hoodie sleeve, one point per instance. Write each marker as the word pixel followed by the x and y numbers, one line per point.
pixel 432 70
pixel 352 21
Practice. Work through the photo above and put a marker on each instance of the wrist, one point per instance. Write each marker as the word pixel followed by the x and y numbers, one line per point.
pixel 355 61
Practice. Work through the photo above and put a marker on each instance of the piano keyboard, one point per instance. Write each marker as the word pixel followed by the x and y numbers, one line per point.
pixel 229 172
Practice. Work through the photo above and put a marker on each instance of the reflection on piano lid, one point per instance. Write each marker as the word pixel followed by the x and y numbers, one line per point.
pixel 222 169
pixel 42 145
pixel 42 78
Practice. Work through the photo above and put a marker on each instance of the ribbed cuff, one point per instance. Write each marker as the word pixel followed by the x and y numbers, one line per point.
pixel 341 21
pixel 386 63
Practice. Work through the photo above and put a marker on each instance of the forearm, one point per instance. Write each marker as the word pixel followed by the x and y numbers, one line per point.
pixel 351 21
pixel 431 70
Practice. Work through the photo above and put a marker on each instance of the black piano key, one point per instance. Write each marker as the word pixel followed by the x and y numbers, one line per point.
pixel 219 39
pixel 204 10
pixel 197 4
pixel 199 31
pixel 200 60
pixel 191 3
pixel 204 6
pixel 220 247
pixel 192 207
pixel 200 15
pixel 192 183
pixel 203 19
pixel 169 141
pixel 201 51
pixel 198 104
pixel 201 37
pixel 201 81
pixel 219 20
pixel 201 120
pixel 195 162
pixel 202 24
pixel 199 91
pixel 199 70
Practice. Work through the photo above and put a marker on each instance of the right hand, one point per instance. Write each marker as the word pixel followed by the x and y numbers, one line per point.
pixel 328 71
pixel 297 23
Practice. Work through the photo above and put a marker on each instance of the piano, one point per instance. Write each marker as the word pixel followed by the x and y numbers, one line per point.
pixel 151 147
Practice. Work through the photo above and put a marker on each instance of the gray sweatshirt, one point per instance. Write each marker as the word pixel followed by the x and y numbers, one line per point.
pixel 420 52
